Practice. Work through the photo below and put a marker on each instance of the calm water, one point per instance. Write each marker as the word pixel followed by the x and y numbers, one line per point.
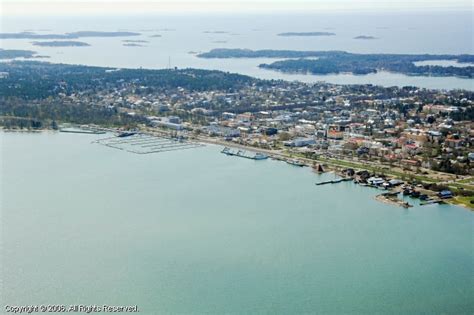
pixel 396 33
pixel 196 231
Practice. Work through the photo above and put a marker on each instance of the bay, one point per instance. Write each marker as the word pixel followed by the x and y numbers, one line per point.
pixel 196 231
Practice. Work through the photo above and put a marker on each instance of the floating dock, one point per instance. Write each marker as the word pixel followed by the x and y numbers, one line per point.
pixel 140 143
pixel 244 154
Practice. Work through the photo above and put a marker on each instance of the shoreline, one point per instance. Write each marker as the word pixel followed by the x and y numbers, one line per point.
pixel 329 165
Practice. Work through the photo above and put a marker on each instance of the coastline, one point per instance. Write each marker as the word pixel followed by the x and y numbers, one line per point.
pixel 329 165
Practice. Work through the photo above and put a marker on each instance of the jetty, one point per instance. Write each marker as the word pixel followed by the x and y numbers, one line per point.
pixel 391 198
pixel 334 181
pixel 430 202
pixel 244 154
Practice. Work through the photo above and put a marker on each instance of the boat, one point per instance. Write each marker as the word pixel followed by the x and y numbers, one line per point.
pixel 126 134
pixel 295 162
pixel 260 156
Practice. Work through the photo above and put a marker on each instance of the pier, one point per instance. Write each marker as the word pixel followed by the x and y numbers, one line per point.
pixel 334 181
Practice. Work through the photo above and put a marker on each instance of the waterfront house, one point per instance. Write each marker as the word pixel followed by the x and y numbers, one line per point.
pixel 445 194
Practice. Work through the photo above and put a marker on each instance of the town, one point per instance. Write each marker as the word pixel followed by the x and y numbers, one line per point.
pixel 418 136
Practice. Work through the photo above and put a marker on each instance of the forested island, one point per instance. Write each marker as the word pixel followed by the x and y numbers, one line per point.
pixel 72 35
pixel 133 45
pixel 65 43
pixel 17 53
pixel 329 62
pixel 135 41
pixel 366 37
pixel 289 34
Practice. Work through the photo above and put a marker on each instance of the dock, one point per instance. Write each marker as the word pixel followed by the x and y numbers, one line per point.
pixel 391 198
pixel 334 181
pixel 430 202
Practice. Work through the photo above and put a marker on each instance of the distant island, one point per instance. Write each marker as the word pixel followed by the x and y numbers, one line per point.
pixel 215 32
pixel 73 35
pixel 133 45
pixel 135 41
pixel 60 44
pixel 344 62
pixel 368 37
pixel 15 53
pixel 307 34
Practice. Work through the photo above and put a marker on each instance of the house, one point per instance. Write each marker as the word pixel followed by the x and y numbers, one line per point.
pixel 300 142
pixel 445 194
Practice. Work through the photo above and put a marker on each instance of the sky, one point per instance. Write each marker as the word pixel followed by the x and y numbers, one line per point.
pixel 110 7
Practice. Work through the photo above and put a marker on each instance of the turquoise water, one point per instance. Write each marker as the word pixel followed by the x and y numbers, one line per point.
pixel 196 231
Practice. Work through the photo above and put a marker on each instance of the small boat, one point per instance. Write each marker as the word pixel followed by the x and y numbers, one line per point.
pixel 260 156
pixel 126 134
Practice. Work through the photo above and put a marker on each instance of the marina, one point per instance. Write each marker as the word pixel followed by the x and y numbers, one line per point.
pixel 140 143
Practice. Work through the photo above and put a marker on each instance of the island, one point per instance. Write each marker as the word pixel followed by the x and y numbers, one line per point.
pixel 135 41
pixel 366 37
pixel 60 44
pixel 307 34
pixel 334 62
pixel 215 32
pixel 133 45
pixel 16 53
pixel 73 35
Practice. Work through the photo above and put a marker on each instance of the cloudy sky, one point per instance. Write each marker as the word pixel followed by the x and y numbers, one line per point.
pixel 80 7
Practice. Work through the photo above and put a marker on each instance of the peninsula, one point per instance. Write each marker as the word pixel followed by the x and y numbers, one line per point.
pixel 329 62
pixel 16 53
